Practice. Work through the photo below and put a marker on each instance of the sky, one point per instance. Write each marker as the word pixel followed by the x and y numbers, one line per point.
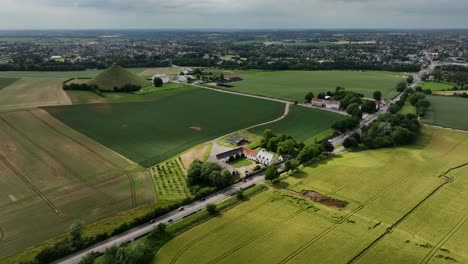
pixel 232 14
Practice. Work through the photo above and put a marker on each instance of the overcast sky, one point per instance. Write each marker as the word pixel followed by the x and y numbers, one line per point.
pixel 156 14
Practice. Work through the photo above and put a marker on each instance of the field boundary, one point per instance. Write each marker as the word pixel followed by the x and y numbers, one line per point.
pixel 129 176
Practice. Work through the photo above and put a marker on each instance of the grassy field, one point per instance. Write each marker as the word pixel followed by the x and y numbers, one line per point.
pixel 4 82
pixel 116 77
pixel 302 123
pixel 28 92
pixel 150 132
pixel 169 71
pixel 396 202
pixel 447 111
pixel 293 85
pixel 66 74
pixel 438 86
pixel 241 163
pixel 449 92
pixel 51 175
pixel 408 108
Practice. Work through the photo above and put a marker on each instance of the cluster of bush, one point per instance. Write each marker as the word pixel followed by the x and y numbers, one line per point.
pixel 346 124
pixel 396 107
pixel 418 99
pixel 281 144
pixel 201 175
pixel 390 130
pixel 127 88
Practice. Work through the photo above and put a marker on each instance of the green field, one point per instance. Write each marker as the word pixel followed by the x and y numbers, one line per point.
pixel 50 176
pixel 302 123
pixel 408 108
pixel 293 85
pixel 438 86
pixel 115 77
pixel 66 74
pixel 398 211
pixel 4 82
pixel 447 111
pixel 150 132
pixel 241 163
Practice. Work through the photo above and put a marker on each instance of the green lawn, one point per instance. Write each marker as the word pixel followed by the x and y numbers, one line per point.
pixel 447 111
pixel 66 74
pixel 302 123
pixel 293 85
pixel 408 108
pixel 438 86
pixel 380 186
pixel 150 132
pixel 241 163
pixel 5 82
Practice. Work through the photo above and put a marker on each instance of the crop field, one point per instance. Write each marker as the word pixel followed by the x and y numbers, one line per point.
pixel 293 85
pixel 448 112
pixel 170 181
pixel 302 123
pixel 388 204
pixel 449 92
pixel 60 75
pixel 169 71
pixel 438 86
pixel 5 82
pixel 27 93
pixel 151 132
pixel 50 175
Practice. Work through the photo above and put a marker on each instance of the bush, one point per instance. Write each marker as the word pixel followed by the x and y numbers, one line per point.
pixel 212 209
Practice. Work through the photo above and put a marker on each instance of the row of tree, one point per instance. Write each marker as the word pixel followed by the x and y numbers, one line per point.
pixel 208 174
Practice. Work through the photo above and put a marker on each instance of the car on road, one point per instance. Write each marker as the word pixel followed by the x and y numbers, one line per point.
pixel 152 221
pixel 180 209
pixel 170 220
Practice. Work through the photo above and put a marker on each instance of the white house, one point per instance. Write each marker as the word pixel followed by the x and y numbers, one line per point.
pixel 188 71
pixel 265 157
pixel 332 105
pixel 185 78
pixel 161 76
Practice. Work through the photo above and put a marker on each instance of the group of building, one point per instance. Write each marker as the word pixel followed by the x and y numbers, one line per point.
pixel 326 103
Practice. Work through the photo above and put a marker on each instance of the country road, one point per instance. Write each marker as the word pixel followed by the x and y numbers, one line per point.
pixel 217 197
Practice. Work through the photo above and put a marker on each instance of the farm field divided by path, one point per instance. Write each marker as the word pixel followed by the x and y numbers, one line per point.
pixel 448 112
pixel 294 85
pixel 5 82
pixel 29 93
pixel 58 74
pixel 302 123
pixel 52 175
pixel 397 190
pixel 150 132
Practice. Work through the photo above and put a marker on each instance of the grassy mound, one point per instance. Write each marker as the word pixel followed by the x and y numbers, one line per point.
pixel 116 76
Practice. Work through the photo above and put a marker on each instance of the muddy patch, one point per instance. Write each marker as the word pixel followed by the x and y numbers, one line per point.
pixel 196 128
pixel 12 197
pixel 328 201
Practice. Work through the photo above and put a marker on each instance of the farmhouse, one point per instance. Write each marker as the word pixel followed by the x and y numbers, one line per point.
pixel 237 140
pixel 263 156
pixel 161 76
pixel 185 78
pixel 329 104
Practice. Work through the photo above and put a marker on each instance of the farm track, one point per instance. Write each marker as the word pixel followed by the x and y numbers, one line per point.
pixel 405 216
pixel 129 176
pixel 2 234
pixel 31 186
pixel 232 221
pixel 250 240
pixel 62 163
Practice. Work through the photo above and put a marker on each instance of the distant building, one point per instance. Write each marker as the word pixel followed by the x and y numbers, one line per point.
pixel 54 58
pixel 188 71
pixel 161 76
pixel 265 157
pixel 185 78
pixel 329 104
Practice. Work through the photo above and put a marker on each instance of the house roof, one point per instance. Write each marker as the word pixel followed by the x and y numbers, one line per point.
pixel 317 100
pixel 265 154
pixel 229 153
pixel 333 102
pixel 235 139
pixel 250 152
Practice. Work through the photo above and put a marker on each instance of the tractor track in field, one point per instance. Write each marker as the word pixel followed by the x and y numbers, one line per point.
pixel 250 240
pixel 334 226
pixel 228 223
pixel 124 171
pixel 62 163
pixel 2 234
pixel 405 216
pixel 31 186
pixel 452 231
pixel 45 227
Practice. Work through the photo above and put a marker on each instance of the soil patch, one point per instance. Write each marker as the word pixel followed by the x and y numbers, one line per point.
pixel 196 128
pixel 317 197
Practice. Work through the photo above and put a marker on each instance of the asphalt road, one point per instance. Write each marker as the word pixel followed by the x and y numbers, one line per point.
pixel 174 216
pixel 189 209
